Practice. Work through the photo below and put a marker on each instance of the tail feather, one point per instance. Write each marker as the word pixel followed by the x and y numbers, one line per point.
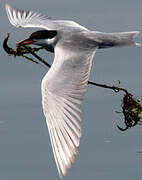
pixel 106 40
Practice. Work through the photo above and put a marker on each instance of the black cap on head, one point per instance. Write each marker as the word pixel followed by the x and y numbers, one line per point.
pixel 43 34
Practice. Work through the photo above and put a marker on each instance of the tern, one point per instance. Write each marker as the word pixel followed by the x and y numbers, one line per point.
pixel 64 86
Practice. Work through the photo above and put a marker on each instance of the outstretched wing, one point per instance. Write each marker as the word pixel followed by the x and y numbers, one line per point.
pixel 21 18
pixel 63 90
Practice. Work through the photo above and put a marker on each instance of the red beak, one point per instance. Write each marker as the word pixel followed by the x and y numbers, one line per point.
pixel 24 42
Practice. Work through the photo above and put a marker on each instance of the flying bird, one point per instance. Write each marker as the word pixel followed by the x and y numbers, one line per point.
pixel 64 86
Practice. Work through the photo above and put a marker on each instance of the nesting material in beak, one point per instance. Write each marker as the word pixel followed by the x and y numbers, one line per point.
pixel 25 42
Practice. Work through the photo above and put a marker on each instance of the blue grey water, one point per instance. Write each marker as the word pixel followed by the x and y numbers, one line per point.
pixel 105 153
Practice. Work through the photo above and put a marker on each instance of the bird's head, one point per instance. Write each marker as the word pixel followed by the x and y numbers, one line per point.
pixel 42 38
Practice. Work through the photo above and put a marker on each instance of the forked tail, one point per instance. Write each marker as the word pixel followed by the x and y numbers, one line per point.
pixel 106 40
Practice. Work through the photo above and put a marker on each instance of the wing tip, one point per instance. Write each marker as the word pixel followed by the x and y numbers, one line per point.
pixel 63 171
pixel 10 11
pixel 137 44
pixel 7 6
pixel 135 34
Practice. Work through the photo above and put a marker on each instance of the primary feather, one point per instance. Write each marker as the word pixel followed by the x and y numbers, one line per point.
pixel 64 86
pixel 63 90
pixel 21 18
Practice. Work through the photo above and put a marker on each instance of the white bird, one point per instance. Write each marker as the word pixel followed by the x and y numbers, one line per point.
pixel 64 86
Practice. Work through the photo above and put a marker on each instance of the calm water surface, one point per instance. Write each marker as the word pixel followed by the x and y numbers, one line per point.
pixel 105 153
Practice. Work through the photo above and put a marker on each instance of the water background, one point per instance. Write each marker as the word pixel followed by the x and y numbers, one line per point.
pixel 105 153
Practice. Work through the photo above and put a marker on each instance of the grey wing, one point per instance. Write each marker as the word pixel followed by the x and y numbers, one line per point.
pixel 63 90
pixel 21 18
